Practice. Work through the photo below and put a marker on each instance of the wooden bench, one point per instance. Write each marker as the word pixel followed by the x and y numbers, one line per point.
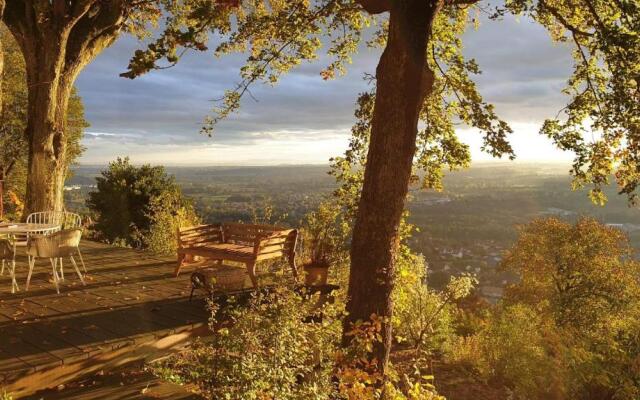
pixel 244 243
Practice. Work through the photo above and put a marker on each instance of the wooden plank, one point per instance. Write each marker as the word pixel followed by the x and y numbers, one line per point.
pixel 15 345
pixel 131 298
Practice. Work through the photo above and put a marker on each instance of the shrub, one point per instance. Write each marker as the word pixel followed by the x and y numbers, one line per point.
pixel 423 316
pixel 139 206
pixel 282 346
pixel 569 328
pixel 325 235
pixel 516 350
pixel 168 212
pixel 269 349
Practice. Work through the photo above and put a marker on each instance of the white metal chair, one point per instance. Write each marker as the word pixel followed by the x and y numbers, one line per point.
pixel 55 246
pixel 66 220
pixel 8 253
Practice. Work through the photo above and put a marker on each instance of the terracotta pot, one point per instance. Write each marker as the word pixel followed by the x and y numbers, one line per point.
pixel 315 275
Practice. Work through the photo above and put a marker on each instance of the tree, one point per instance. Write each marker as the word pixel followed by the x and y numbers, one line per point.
pixel 578 274
pixel 130 201
pixel 423 75
pixel 14 146
pixel 57 39
pixel 580 284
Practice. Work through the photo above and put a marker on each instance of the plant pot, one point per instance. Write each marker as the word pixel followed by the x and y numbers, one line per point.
pixel 315 275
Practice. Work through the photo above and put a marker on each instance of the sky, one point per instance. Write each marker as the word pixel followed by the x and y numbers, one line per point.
pixel 303 119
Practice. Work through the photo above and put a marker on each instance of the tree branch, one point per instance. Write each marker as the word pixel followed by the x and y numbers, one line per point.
pixel 375 6
pixel 563 21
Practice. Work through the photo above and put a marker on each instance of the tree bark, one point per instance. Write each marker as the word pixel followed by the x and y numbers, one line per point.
pixel 403 81
pixel 2 174
pixel 57 40
pixel 48 99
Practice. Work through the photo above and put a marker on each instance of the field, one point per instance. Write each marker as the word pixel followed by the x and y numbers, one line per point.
pixel 465 228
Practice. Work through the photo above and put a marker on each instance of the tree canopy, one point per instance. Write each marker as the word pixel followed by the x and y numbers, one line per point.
pixel 580 284
pixel 603 88
pixel 423 89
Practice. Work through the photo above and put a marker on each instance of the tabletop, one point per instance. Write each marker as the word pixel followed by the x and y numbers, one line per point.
pixel 18 227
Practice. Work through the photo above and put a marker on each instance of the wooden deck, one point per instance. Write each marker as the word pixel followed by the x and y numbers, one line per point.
pixel 131 308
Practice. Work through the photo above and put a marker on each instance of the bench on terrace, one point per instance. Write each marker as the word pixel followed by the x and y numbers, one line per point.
pixel 243 243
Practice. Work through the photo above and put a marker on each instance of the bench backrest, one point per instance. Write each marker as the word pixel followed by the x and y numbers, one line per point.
pixel 268 240
pixel 235 232
pixel 200 235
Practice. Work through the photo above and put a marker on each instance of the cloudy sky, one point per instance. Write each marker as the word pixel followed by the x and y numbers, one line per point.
pixel 303 119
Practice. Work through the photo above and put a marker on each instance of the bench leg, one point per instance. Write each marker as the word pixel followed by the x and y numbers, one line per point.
pixel 181 258
pixel 251 269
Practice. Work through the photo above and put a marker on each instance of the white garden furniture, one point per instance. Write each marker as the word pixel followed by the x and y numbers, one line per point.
pixel 64 219
pixel 39 225
pixel 16 234
pixel 8 253
pixel 55 247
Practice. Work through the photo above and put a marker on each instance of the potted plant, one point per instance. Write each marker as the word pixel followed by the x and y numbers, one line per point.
pixel 323 236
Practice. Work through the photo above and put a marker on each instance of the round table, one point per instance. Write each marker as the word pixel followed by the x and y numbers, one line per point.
pixel 19 228
pixel 23 229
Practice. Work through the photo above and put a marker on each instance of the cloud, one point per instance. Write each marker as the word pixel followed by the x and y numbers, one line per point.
pixel 523 73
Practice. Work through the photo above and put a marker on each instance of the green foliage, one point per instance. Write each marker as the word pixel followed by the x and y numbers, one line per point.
pixel 570 326
pixel 583 272
pixel 326 234
pixel 139 206
pixel 167 212
pixel 14 149
pixel 422 316
pixel 604 88
pixel 285 345
pixel 515 349
pixel 269 349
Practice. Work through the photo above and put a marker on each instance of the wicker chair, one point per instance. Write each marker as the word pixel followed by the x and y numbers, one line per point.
pixel 8 253
pixel 55 246
pixel 66 220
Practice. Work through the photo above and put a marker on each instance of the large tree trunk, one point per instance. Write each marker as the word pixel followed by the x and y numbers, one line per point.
pixel 1 102
pixel 403 80
pixel 48 99
pixel 2 167
pixel 57 38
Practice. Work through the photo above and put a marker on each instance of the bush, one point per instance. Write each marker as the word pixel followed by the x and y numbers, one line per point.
pixel 425 317
pixel 139 207
pixel 278 347
pixel 570 327
pixel 168 212
pixel 516 347
pixel 325 235
pixel 269 349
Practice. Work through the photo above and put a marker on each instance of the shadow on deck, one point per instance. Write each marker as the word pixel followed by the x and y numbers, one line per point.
pixel 132 308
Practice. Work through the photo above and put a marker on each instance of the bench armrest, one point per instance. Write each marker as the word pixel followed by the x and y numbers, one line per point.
pixel 278 240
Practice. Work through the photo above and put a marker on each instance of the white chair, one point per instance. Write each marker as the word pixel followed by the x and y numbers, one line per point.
pixel 66 220
pixel 8 253
pixel 55 246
